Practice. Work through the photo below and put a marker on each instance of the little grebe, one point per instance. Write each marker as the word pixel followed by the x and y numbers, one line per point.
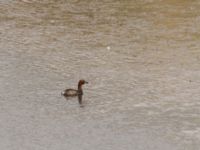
pixel 73 92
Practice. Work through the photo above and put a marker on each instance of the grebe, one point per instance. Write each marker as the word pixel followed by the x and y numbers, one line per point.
pixel 73 92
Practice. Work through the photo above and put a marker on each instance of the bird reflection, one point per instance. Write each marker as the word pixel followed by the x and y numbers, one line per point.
pixel 80 97
pixel 80 100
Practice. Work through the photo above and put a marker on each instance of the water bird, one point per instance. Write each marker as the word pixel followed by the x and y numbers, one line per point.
pixel 73 92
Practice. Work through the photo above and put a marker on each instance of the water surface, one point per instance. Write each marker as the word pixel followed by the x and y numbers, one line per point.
pixel 144 89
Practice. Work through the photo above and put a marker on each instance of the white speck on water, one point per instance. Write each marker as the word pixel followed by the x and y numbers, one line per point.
pixel 108 47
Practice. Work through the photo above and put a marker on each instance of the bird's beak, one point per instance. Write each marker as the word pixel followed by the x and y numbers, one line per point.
pixel 86 82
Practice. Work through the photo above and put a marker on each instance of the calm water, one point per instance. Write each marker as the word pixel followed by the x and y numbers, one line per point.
pixel 140 57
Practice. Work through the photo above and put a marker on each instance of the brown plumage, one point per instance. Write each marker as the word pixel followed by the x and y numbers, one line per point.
pixel 74 92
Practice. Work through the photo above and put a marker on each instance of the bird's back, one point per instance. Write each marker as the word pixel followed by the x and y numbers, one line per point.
pixel 70 92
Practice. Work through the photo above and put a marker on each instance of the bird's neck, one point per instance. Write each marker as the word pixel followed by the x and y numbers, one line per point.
pixel 80 91
pixel 80 87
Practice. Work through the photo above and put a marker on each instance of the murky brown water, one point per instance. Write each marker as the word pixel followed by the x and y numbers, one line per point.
pixel 143 92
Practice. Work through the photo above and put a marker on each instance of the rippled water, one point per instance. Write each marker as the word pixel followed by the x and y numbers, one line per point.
pixel 141 58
